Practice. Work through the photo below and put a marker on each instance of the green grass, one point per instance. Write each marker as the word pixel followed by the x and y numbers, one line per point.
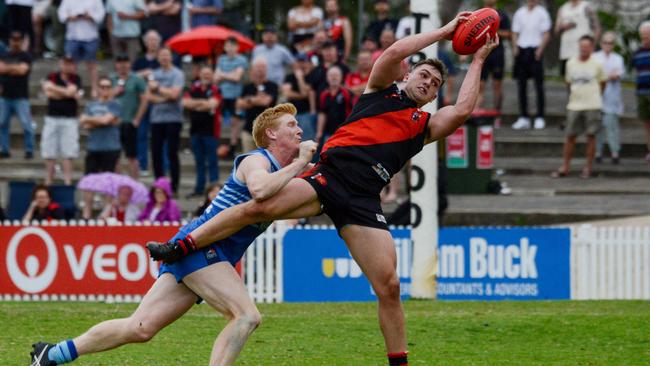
pixel 440 333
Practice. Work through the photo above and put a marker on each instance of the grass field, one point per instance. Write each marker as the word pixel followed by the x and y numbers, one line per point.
pixel 440 333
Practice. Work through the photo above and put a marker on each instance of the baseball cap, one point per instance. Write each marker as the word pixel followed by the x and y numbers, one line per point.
pixel 301 56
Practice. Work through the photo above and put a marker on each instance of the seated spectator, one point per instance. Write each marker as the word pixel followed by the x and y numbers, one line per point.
pixel 211 192
pixel 121 209
pixel 296 90
pixel 258 95
pixel 42 206
pixel 334 106
pixel 101 118
pixel 161 205
pixel 303 20
pixel 203 101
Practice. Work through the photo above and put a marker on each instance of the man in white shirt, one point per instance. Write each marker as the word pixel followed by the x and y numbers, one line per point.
pixel 585 77
pixel 575 19
pixel 531 27
pixel 82 19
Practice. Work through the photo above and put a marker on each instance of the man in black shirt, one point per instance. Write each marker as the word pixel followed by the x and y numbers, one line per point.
pixel 296 90
pixel 203 101
pixel 383 21
pixel 317 78
pixel 60 136
pixel 15 67
pixel 257 95
pixel 165 17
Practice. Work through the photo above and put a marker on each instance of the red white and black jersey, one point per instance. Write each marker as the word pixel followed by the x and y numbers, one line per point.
pixel 384 131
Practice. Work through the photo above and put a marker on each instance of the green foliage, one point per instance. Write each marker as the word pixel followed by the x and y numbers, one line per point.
pixel 439 333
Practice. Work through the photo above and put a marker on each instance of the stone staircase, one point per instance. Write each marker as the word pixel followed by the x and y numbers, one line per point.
pixel 523 161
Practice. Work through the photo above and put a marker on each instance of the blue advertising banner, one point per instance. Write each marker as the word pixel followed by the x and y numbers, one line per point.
pixel 319 267
pixel 504 263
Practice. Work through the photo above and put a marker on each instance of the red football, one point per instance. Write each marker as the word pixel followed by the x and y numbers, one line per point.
pixel 472 34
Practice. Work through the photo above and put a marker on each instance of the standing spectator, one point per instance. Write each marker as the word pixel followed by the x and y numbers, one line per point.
pixel 303 21
pixel 82 19
pixel 296 90
pixel 101 118
pixel 641 62
pixel 531 25
pixel 128 90
pixel 165 17
pixel 165 93
pixel 43 11
pixel 382 21
pixel 277 56
pixel 144 67
pixel 334 106
pixel 495 63
pixel 257 95
pixel 204 12
pixel 121 209
pixel 339 29
pixel 575 18
pixel 161 206
pixel 586 78
pixel 42 207
pixel 19 19
pixel 229 75
pixel 204 103
pixel 356 81
pixel 317 78
pixel 123 23
pixel 15 68
pixel 612 97
pixel 60 135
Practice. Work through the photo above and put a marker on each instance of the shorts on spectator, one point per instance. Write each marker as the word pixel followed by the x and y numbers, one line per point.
pixel 60 138
pixel 643 104
pixel 587 122
pixel 82 50
pixel 101 161
pixel 494 65
pixel 129 139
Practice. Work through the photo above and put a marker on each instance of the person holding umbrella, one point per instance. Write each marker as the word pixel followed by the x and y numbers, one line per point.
pixel 112 186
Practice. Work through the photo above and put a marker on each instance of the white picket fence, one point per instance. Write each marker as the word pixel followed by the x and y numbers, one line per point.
pixel 263 265
pixel 610 263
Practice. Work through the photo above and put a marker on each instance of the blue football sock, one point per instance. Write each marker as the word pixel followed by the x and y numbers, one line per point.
pixel 63 352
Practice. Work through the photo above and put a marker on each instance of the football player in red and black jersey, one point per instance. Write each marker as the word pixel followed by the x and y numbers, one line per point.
pixel 385 129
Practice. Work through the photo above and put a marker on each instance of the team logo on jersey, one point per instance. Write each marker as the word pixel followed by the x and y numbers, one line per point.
pixel 320 179
pixel 381 218
pixel 382 172
pixel 416 115
pixel 211 254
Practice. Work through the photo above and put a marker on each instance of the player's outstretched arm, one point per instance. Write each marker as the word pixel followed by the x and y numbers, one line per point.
pixel 449 118
pixel 386 70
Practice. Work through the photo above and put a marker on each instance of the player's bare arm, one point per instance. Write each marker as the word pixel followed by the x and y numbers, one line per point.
pixel 254 172
pixel 386 70
pixel 449 118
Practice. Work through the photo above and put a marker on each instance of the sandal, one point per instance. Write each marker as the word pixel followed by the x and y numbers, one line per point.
pixel 559 174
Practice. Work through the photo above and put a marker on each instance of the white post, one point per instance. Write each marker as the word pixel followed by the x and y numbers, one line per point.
pixel 424 188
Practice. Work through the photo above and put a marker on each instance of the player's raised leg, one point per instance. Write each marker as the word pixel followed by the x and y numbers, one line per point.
pixel 165 302
pixel 374 250
pixel 222 288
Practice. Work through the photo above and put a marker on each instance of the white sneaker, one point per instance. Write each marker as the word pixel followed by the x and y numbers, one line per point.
pixel 539 123
pixel 521 123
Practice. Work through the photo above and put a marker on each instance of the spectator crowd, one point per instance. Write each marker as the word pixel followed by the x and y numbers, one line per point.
pixel 137 110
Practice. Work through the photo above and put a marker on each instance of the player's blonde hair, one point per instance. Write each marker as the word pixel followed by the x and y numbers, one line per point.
pixel 269 119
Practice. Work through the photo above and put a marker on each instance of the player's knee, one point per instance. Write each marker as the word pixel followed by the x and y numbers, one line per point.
pixel 250 320
pixel 260 211
pixel 141 332
pixel 388 288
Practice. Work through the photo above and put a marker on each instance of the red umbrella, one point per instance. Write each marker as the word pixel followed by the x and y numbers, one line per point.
pixel 206 40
